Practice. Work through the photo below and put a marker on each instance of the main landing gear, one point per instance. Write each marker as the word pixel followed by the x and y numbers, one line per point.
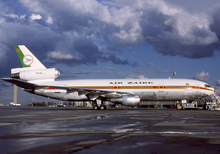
pixel 102 107
pixel 99 107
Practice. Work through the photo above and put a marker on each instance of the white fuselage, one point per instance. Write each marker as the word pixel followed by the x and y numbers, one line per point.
pixel 146 89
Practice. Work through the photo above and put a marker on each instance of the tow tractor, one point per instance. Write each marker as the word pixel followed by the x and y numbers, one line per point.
pixel 187 106
pixel 190 106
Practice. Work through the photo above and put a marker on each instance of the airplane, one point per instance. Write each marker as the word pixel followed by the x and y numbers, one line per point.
pixel 12 104
pixel 35 78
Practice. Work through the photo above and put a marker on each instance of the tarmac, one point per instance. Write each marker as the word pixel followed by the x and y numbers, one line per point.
pixel 125 131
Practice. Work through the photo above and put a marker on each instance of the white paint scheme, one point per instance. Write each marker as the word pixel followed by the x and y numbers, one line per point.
pixel 187 92
pixel 12 104
pixel 125 91
pixel 43 74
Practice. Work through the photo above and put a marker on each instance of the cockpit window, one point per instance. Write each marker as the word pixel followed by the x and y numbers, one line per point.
pixel 207 86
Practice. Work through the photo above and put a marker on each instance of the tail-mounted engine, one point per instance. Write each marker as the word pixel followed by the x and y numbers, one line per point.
pixel 29 75
pixel 128 100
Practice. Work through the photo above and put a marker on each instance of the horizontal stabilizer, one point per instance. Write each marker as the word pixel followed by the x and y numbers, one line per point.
pixel 20 83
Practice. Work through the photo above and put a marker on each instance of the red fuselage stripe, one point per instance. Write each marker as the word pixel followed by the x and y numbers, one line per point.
pixel 134 87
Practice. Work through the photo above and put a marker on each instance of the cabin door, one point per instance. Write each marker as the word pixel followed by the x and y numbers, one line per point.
pixel 115 86
pixel 161 87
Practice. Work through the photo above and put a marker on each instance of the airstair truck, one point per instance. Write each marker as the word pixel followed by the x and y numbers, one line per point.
pixel 214 104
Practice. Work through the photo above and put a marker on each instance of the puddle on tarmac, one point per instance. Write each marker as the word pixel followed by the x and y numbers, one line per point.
pixel 178 133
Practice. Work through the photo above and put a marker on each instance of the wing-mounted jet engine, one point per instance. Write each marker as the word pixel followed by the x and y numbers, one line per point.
pixel 127 100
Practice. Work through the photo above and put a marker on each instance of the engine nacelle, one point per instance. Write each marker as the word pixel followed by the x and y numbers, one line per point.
pixel 51 73
pixel 128 100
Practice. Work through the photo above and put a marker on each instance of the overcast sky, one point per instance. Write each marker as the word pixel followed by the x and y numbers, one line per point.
pixel 112 39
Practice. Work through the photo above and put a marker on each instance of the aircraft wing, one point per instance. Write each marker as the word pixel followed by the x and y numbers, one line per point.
pixel 91 93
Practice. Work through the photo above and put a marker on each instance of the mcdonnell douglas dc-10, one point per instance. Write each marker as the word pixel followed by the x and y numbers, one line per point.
pixel 35 78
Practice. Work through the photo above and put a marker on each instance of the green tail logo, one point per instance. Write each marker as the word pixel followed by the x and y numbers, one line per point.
pixel 27 60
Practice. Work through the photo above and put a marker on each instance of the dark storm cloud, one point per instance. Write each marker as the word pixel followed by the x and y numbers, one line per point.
pixel 83 51
pixel 41 34
pixel 117 60
pixel 215 28
pixel 172 46
pixel 153 24
pixel 183 28
pixel 68 31
pixel 190 39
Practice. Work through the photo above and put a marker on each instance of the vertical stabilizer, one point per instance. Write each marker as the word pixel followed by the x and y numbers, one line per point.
pixel 28 60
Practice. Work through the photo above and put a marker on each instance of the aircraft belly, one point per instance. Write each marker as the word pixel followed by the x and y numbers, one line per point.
pixel 52 93
pixel 57 95
pixel 168 95
pixel 144 96
pixel 75 96
pixel 60 94
pixel 161 94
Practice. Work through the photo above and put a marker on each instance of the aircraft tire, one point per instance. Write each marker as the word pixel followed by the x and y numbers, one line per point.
pixel 102 107
pixel 95 107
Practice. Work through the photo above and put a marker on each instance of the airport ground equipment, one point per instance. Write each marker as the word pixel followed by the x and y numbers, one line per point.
pixel 179 106
pixel 60 104
pixel 13 104
pixel 190 106
pixel 214 104
pixel 184 105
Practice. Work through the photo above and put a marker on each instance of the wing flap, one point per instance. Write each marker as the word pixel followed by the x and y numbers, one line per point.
pixel 91 93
